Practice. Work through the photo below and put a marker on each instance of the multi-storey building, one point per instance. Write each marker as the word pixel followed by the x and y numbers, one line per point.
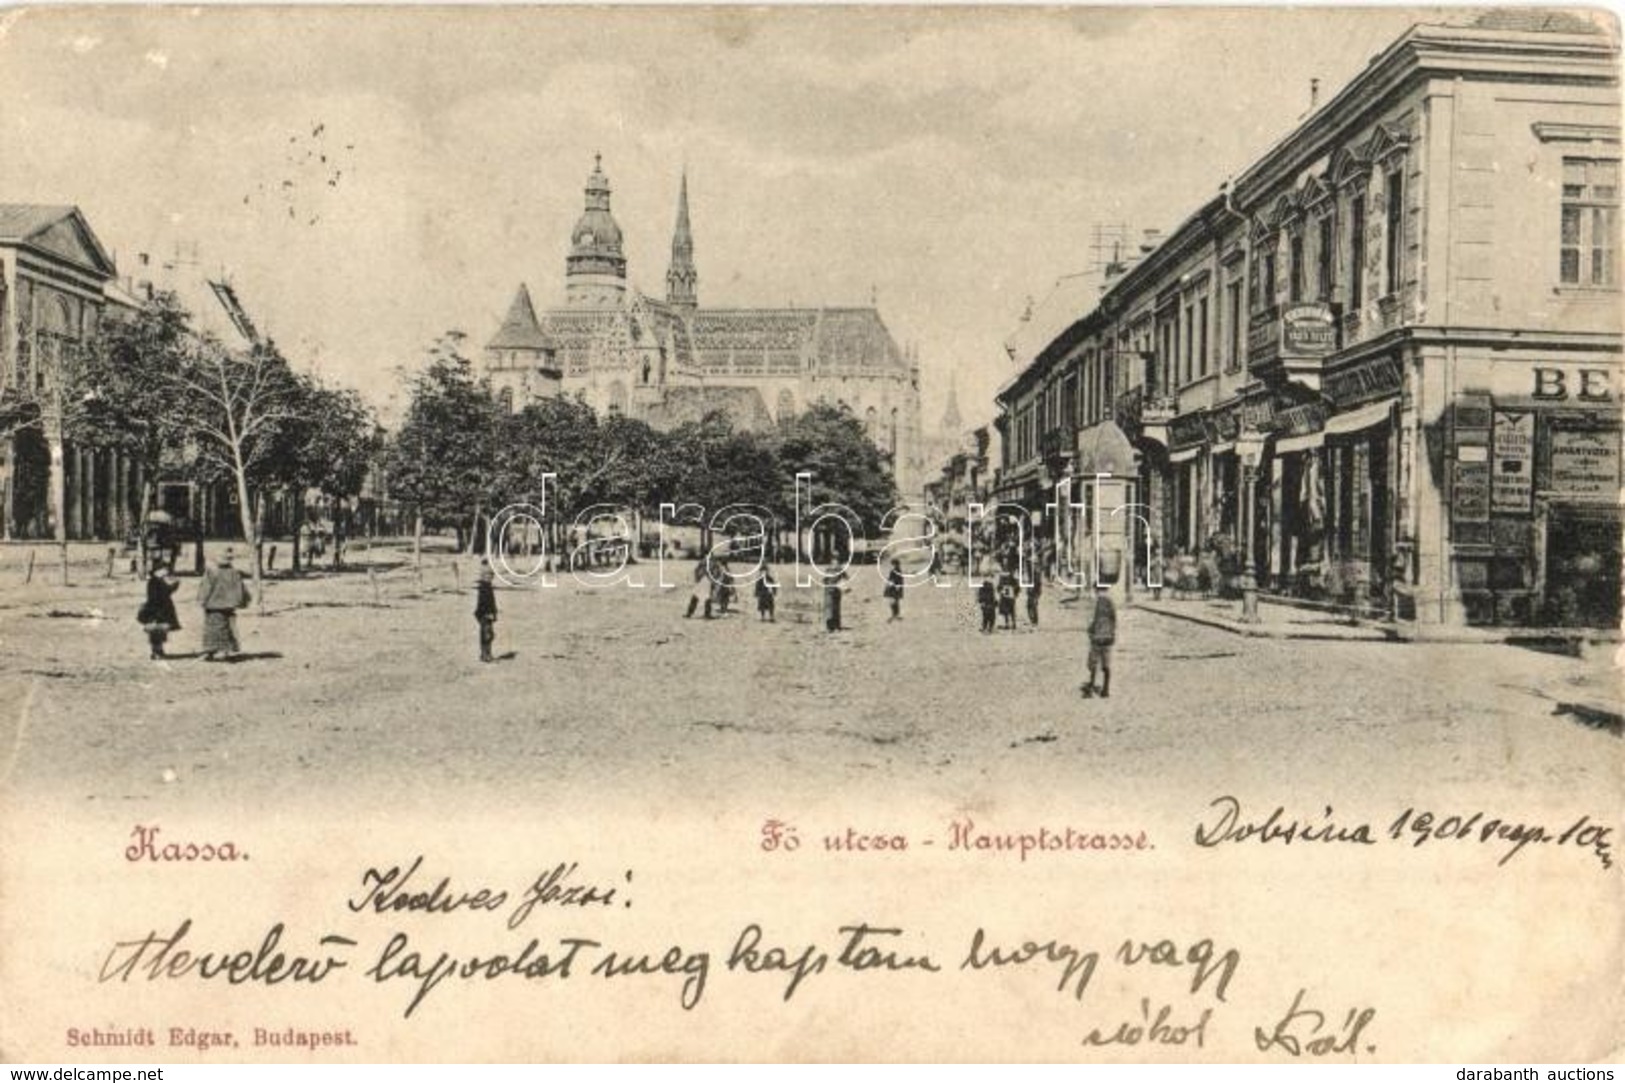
pixel 56 283
pixel 1383 366
pixel 670 361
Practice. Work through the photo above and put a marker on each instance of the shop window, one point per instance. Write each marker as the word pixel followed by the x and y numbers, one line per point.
pixel 1590 222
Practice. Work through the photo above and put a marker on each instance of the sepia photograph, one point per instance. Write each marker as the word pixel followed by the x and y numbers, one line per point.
pixel 810 534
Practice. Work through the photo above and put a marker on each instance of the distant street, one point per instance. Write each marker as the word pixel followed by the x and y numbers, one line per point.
pixel 611 690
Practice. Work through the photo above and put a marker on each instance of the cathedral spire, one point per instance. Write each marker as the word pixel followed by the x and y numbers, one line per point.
pixel 951 423
pixel 682 280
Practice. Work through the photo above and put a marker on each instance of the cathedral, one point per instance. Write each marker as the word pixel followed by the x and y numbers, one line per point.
pixel 674 361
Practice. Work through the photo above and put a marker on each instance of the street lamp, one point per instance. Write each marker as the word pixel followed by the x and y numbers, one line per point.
pixel 1250 446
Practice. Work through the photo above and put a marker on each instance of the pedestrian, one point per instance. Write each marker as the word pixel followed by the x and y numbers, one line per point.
pixel 894 591
pixel 987 598
pixel 1102 635
pixel 221 594
pixel 1153 572
pixel 834 586
pixel 704 590
pixel 1009 587
pixel 1033 592
pixel 157 614
pixel 485 609
pixel 767 589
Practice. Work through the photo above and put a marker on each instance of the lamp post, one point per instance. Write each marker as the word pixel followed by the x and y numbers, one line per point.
pixel 1250 450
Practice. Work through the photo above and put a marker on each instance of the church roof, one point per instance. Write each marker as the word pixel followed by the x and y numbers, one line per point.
pixel 520 329
pixel 826 339
pixel 55 228
pixel 682 404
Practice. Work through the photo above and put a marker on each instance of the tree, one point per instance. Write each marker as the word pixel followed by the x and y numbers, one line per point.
pixel 831 444
pixel 234 405
pixel 443 462
pixel 128 400
pixel 329 445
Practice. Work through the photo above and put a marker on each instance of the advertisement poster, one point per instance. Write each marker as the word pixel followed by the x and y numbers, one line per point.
pixel 615 395
pixel 1513 486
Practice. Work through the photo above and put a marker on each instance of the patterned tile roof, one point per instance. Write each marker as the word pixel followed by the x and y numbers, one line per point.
pixel 520 330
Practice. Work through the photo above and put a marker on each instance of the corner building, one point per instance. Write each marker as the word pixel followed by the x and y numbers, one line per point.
pixel 672 361
pixel 1383 366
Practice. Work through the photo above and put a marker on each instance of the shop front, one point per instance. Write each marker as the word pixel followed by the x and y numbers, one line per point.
pixel 1534 497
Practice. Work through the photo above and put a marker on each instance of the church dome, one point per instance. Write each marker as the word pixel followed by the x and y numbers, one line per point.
pixel 595 242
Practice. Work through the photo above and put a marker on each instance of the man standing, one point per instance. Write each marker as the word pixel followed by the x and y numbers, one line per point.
pixel 894 590
pixel 834 585
pixel 1033 593
pixel 485 611
pixel 1102 635
pixel 221 594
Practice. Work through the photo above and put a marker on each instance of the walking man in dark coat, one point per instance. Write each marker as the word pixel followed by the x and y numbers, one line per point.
pixel 894 591
pixel 221 594
pixel 485 610
pixel 1032 595
pixel 1102 635
pixel 987 599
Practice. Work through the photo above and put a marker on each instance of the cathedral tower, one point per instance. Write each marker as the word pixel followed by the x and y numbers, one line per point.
pixel 595 272
pixel 682 280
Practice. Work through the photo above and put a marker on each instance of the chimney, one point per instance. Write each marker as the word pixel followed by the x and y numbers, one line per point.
pixel 1149 241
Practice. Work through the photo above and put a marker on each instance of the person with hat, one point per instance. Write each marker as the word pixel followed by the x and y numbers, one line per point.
pixel 485 610
pixel 221 594
pixel 1102 636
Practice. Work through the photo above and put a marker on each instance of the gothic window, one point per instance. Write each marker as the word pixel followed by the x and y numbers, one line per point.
pixel 787 405
pixel 617 398
pixel 646 369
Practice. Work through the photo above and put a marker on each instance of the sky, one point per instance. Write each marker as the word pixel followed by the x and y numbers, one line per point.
pixel 369 178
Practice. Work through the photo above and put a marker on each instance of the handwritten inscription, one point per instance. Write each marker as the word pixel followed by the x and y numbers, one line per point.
pixel 1160 990
pixel 1225 822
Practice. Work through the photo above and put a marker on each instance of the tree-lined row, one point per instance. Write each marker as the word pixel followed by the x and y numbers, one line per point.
pixel 460 455
pixel 180 403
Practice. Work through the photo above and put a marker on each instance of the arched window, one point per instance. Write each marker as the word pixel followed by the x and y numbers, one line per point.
pixel 787 405
pixel 617 398
pixel 871 424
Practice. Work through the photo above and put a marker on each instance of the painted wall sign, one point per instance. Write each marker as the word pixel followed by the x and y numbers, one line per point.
pixel 1568 384
pixel 1512 487
pixel 1585 465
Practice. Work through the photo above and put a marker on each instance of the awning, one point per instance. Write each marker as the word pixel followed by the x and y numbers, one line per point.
pixel 1305 442
pixel 1184 455
pixel 1366 416
pixel 1226 448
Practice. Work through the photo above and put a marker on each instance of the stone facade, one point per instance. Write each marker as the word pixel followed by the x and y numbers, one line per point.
pixel 1381 370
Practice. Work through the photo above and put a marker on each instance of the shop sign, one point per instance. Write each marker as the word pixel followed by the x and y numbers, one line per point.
pixel 1512 486
pixel 1186 429
pixel 1585 464
pixel 1470 491
pixel 1308 330
pixel 1301 420
pixel 1581 385
pixel 1369 380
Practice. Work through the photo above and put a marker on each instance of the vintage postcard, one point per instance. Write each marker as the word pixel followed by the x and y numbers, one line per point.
pixel 804 534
